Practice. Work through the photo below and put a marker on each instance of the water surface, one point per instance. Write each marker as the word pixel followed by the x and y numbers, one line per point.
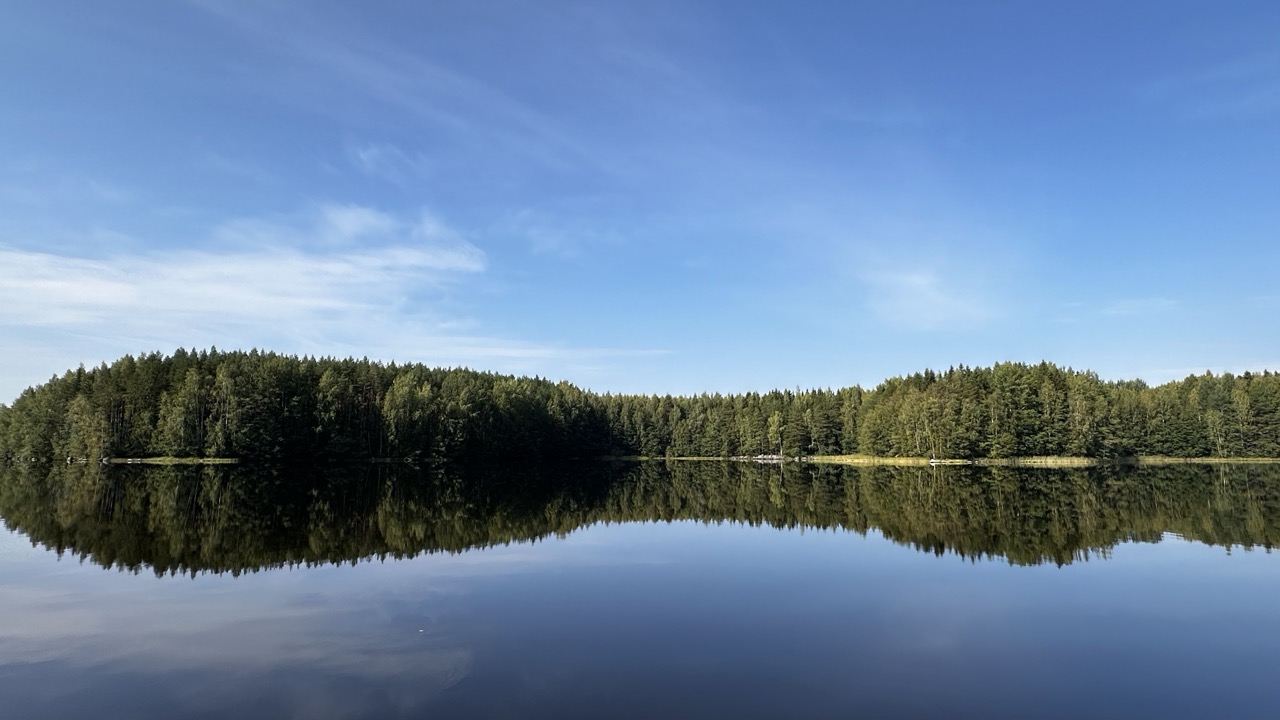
pixel 639 591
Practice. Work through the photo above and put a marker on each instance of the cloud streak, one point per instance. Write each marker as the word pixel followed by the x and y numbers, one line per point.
pixel 1242 88
pixel 343 280
pixel 352 64
pixel 388 162
pixel 1140 306
pixel 272 277
pixel 923 300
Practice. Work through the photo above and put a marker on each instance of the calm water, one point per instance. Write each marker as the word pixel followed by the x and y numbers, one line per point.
pixel 639 591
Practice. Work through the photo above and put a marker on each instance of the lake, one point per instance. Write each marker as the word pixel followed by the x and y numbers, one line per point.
pixel 639 590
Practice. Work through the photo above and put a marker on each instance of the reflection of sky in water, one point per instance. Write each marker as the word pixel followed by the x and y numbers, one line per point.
pixel 645 620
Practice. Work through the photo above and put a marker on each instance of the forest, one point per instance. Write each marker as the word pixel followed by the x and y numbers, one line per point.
pixel 264 406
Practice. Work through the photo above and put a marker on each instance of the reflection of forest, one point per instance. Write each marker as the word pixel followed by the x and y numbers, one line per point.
pixel 244 518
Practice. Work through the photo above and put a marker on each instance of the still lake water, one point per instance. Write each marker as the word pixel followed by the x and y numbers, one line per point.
pixel 700 589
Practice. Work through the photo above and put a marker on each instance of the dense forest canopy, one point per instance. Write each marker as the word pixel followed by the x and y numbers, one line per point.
pixel 189 519
pixel 261 405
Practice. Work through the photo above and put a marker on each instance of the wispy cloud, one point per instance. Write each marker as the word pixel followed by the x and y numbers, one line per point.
pixel 272 277
pixel 336 280
pixel 925 300
pixel 388 162
pixel 341 70
pixel 36 185
pixel 1139 306
pixel 932 269
pixel 1243 88
pixel 333 227
pixel 564 234
pixel 340 257
pixel 237 168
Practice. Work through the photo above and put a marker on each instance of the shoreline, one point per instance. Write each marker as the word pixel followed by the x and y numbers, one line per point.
pixel 1032 461
pixel 858 460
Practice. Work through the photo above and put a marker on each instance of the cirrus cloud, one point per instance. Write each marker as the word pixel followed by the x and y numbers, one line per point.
pixel 337 280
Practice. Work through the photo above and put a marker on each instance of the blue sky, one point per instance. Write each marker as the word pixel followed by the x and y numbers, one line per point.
pixel 667 196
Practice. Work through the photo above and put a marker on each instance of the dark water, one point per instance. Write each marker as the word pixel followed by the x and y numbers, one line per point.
pixel 700 590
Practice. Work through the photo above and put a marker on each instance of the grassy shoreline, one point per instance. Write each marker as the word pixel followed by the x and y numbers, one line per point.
pixel 171 461
pixel 1051 461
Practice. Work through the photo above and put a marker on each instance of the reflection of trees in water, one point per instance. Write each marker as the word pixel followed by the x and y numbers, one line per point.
pixel 244 518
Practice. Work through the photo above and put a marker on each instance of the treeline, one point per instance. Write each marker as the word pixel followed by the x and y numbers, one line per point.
pixel 260 405
pixel 1015 410
pixel 1009 410
pixel 264 405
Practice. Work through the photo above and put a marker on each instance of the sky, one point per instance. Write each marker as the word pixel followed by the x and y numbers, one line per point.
pixel 671 196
